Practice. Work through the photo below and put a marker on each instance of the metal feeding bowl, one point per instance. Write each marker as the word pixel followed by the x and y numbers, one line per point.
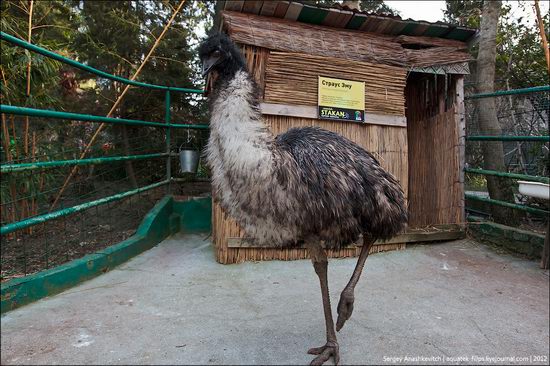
pixel 189 161
pixel 189 156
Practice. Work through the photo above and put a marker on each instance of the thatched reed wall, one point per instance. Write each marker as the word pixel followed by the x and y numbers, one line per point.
pixel 387 143
pixel 436 142
pixel 292 79
pixel 225 228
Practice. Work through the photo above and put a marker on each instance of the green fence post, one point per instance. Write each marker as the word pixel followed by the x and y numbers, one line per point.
pixel 167 117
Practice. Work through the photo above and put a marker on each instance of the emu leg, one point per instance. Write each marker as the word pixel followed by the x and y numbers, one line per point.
pixel 320 264
pixel 345 305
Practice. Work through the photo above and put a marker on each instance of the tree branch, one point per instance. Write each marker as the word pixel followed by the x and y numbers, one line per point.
pixel 114 107
pixel 543 35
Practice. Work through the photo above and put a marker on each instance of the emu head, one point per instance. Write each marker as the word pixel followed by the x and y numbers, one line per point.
pixel 219 53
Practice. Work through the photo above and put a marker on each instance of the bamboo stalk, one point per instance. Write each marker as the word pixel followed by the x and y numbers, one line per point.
pixel 26 132
pixel 23 210
pixel 9 158
pixel 115 105
pixel 543 36
pixel 26 136
pixel 12 124
pixel 34 198
pixel 29 34
pixel 13 193
pixel 6 143
pixel 26 206
pixel 13 190
pixel 6 140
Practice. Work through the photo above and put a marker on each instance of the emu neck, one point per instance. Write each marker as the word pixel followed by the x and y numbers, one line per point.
pixel 237 126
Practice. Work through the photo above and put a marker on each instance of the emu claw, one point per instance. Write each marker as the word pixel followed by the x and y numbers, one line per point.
pixel 324 353
pixel 345 308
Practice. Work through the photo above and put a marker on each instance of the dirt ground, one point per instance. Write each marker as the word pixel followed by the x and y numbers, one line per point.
pixel 68 238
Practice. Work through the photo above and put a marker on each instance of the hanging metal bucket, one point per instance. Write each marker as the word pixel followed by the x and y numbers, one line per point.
pixel 189 161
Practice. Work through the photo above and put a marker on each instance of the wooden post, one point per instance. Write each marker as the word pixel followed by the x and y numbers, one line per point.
pixel 461 129
pixel 545 261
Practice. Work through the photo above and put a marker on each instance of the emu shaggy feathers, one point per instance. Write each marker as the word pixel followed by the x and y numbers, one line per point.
pixel 341 188
pixel 307 183
pixel 303 185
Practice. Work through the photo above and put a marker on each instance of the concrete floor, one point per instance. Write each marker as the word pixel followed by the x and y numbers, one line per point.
pixel 175 305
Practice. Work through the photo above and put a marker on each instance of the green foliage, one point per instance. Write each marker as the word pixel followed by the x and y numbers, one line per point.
pixel 475 182
pixel 49 30
pixel 465 13
pixel 369 6
pixel 520 57
pixel 113 36
pixel 378 7
pixel 116 36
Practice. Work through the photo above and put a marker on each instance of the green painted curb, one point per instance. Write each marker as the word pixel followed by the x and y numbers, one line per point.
pixel 166 218
pixel 195 214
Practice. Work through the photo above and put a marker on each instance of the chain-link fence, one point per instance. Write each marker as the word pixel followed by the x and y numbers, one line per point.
pixel 57 204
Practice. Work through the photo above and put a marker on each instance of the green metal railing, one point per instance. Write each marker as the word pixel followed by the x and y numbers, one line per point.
pixel 532 210
pixel 60 115
pixel 531 178
pixel 535 89
pixel 33 112
pixel 14 226
pixel 11 168
pixel 33 48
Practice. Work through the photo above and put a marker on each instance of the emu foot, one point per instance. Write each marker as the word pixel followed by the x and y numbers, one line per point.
pixel 345 308
pixel 324 353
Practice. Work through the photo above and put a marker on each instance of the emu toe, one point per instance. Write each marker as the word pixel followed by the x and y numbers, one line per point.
pixel 324 353
pixel 345 308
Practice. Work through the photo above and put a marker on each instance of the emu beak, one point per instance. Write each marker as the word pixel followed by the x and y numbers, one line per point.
pixel 208 63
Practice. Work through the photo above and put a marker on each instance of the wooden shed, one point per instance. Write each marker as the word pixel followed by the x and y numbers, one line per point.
pixel 413 120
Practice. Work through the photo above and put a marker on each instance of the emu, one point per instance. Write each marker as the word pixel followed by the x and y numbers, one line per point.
pixel 307 186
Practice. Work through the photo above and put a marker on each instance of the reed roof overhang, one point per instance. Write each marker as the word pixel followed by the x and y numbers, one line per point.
pixel 341 32
pixel 343 17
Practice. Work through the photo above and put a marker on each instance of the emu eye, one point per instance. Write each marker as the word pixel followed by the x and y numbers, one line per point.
pixel 216 53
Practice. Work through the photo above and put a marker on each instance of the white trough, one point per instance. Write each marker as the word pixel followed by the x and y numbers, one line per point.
pixel 534 189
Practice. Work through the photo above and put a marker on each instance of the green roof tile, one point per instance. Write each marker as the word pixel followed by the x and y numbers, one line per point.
pixel 459 34
pixel 356 21
pixel 409 29
pixel 435 31
pixel 312 15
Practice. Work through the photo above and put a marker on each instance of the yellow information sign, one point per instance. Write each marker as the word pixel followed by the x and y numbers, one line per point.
pixel 340 99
